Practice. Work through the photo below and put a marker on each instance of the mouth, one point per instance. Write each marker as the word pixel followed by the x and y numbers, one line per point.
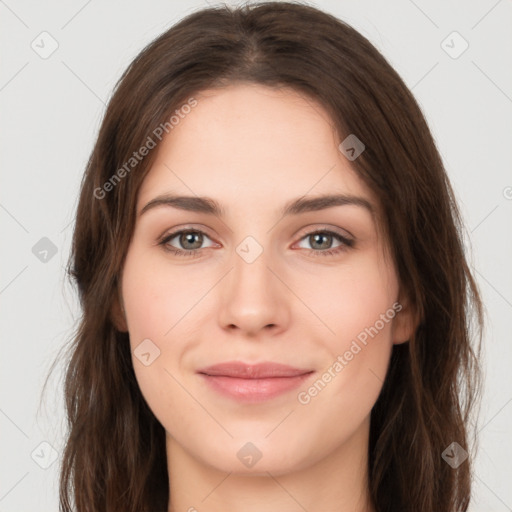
pixel 253 383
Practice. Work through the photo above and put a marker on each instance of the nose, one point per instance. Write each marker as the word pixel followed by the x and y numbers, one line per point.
pixel 253 299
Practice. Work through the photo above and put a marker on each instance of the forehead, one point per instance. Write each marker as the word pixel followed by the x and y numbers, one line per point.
pixel 249 145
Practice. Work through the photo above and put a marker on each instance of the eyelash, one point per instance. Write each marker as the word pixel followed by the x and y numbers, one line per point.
pixel 346 243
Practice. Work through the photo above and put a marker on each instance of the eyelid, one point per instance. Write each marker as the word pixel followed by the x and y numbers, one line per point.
pixel 314 228
pixel 187 227
pixel 305 231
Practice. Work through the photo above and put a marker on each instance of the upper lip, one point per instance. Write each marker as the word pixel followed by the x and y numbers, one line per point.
pixel 253 371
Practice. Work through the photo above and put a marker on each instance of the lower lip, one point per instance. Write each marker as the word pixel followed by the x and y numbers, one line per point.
pixel 254 390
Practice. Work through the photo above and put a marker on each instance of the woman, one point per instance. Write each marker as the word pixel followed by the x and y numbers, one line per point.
pixel 310 350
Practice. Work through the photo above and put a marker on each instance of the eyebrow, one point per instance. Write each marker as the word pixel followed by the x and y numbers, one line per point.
pixel 295 207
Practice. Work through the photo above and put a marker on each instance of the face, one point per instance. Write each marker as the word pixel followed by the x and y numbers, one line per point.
pixel 311 287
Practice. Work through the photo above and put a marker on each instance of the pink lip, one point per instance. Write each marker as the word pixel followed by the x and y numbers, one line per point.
pixel 253 383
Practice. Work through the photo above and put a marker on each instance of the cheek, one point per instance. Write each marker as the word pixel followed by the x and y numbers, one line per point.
pixel 157 298
pixel 159 303
pixel 156 303
pixel 357 308
pixel 352 300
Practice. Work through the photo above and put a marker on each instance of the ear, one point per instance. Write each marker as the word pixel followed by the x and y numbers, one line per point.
pixel 405 322
pixel 117 314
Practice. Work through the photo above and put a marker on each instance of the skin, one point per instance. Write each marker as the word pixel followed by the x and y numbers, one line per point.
pixel 253 149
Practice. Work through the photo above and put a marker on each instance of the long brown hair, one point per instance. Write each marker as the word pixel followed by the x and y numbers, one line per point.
pixel 115 457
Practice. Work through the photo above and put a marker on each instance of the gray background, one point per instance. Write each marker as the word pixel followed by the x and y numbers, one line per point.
pixel 51 112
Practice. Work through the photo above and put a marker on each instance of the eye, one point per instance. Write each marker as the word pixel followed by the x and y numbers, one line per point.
pixel 190 239
pixel 321 241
